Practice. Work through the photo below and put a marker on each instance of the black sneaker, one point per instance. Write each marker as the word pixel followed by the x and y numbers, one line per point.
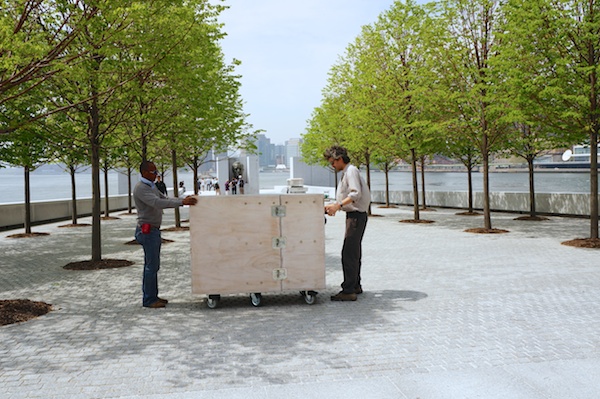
pixel 341 296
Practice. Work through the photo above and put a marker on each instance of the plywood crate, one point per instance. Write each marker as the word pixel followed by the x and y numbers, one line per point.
pixel 257 243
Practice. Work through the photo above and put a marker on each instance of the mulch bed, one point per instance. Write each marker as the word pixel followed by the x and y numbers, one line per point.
pixel 468 214
pixel 75 225
pixel 532 218
pixel 19 310
pixel 423 221
pixel 182 228
pixel 97 265
pixel 162 240
pixel 109 218
pixel 27 235
pixel 583 243
pixel 481 230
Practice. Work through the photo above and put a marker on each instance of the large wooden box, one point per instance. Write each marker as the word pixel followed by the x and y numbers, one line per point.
pixel 257 243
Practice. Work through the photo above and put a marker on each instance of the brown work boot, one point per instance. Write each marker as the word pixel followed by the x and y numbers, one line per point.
pixel 341 296
pixel 156 305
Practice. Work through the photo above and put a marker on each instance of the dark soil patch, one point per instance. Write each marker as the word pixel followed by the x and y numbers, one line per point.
pixel 75 225
pixel 19 310
pixel 532 218
pixel 97 265
pixel 387 206
pixel 182 228
pixel 375 216
pixel 127 214
pixel 28 235
pixel 482 230
pixel 427 210
pixel 583 243
pixel 468 213
pixel 109 218
pixel 423 221
pixel 162 240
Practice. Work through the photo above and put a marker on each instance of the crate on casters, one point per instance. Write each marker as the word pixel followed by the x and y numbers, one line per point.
pixel 256 244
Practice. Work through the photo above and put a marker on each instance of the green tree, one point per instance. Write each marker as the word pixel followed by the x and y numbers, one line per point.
pixel 471 42
pixel 465 152
pixel 28 149
pixel 66 140
pixel 395 87
pixel 37 46
pixel 555 58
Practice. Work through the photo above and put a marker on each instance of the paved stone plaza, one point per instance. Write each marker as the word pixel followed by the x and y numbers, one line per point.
pixel 445 314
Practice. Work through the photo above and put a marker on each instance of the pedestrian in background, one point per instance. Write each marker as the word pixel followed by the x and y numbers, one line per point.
pixel 162 187
pixel 241 184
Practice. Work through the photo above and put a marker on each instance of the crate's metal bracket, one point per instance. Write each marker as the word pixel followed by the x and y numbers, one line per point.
pixel 278 211
pixel 278 242
pixel 279 274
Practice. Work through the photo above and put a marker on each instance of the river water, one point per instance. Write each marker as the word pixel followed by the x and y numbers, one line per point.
pixel 51 184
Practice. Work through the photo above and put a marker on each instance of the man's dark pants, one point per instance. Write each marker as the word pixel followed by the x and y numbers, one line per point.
pixel 356 222
pixel 151 243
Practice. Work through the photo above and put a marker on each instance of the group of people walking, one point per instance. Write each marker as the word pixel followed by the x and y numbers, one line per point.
pixel 235 186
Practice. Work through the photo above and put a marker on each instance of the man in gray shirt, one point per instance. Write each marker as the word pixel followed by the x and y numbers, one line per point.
pixel 150 203
pixel 353 197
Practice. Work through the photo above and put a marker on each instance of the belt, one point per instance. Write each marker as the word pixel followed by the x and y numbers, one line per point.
pixel 355 214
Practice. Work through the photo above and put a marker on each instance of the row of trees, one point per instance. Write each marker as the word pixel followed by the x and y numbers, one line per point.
pixel 468 79
pixel 108 83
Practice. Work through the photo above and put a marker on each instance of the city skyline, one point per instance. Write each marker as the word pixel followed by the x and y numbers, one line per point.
pixel 271 154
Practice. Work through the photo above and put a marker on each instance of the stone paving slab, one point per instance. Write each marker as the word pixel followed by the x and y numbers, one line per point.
pixel 445 314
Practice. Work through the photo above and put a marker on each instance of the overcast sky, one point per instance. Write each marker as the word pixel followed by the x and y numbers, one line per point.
pixel 287 48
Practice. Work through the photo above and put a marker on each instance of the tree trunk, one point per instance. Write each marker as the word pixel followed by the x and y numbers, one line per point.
pixel 532 212
pixel 27 201
pixel 368 163
pixel 106 204
pixel 485 155
pixel 415 184
pixel 387 185
pixel 196 167
pixel 594 183
pixel 175 186
pixel 470 187
pixel 95 161
pixel 423 182
pixel 129 193
pixel 592 54
pixel 73 195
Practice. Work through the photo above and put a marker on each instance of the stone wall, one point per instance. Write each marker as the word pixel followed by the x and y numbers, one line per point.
pixel 12 216
pixel 551 204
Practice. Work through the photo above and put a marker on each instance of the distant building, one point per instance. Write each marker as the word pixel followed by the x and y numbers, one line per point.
pixel 265 150
pixel 292 149
pixel 279 154
pixel 271 155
